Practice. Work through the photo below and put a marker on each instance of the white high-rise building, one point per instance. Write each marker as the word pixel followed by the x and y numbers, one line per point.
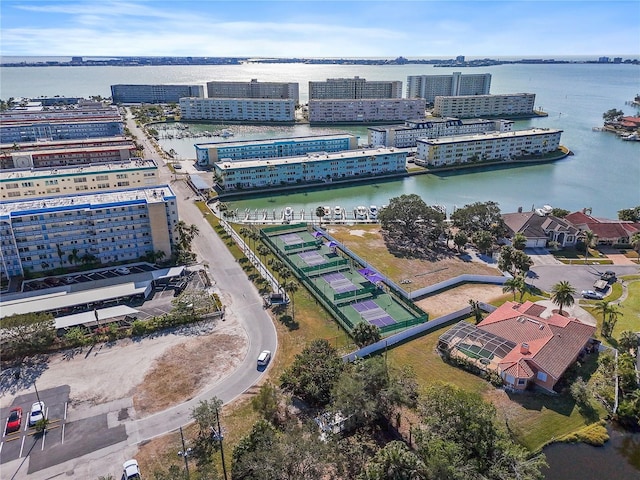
pixel 354 88
pixel 253 89
pixel 238 109
pixel 473 106
pixel 365 110
pixel 431 86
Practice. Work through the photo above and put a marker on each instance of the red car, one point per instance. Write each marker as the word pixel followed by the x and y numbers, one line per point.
pixel 15 420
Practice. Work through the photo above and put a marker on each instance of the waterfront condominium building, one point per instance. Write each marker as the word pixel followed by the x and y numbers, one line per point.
pixel 431 86
pixel 253 89
pixel 354 88
pixel 365 110
pixel 238 109
pixel 154 93
pixel 505 105
pixel 66 153
pixel 496 146
pixel 46 182
pixel 209 153
pixel 407 135
pixel 67 124
pixel 310 168
pixel 112 226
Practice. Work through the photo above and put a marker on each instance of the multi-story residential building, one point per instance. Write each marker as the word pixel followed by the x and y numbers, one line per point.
pixel 112 226
pixel 86 121
pixel 518 144
pixel 154 93
pixel 238 109
pixel 253 89
pixel 365 110
pixel 473 106
pixel 407 135
pixel 311 168
pixel 67 153
pixel 431 86
pixel 33 183
pixel 210 153
pixel 354 88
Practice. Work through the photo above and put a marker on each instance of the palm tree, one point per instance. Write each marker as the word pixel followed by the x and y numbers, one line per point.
pixel 589 239
pixel 320 213
pixel 291 288
pixel 519 241
pixel 635 243
pixel 628 340
pixel 263 251
pixel 563 294
pixel 610 324
pixel 511 286
pixel 603 307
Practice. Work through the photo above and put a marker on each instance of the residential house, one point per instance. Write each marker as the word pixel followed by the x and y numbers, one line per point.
pixel 609 232
pixel 540 228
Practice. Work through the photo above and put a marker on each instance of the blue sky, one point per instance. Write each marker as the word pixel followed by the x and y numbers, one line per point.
pixel 328 28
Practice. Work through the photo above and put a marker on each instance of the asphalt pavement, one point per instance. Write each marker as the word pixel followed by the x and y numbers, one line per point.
pixel 581 277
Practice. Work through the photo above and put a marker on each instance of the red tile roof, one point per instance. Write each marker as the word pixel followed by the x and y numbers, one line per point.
pixel 553 343
pixel 604 228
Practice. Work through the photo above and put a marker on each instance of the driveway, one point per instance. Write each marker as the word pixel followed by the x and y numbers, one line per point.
pixel 581 277
pixel 541 256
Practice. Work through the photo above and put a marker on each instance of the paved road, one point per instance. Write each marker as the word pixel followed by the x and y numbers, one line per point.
pixel 581 277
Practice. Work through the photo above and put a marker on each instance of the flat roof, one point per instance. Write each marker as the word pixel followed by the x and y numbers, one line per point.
pixel 47 144
pixel 310 157
pixel 463 121
pixel 488 136
pixel 198 182
pixel 488 95
pixel 92 200
pixel 89 317
pixel 273 141
pixel 72 149
pixel 90 169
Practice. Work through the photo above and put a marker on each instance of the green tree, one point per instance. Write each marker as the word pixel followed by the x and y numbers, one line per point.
pixel 521 262
pixel 365 333
pixel 395 462
pixel 24 334
pixel 635 243
pixel 560 212
pixel 313 373
pixel 519 241
pixel 460 239
pixel 410 225
pixel 589 239
pixel 627 373
pixel 266 402
pixel 612 115
pixel 320 212
pixel 476 311
pixel 483 240
pixel 291 288
pixel 512 285
pixel 563 294
pixel 479 216
pixel 628 341
pixel 629 214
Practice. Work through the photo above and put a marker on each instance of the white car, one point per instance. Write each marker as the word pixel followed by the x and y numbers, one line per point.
pixel 123 271
pixel 131 470
pixel 263 358
pixel 37 413
pixel 591 295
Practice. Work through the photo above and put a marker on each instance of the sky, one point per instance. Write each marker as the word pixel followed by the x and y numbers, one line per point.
pixel 327 28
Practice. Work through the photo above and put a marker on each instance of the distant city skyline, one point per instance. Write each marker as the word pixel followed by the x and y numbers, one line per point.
pixel 330 28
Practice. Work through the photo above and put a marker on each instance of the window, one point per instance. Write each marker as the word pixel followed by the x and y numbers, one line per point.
pixel 521 381
pixel 542 376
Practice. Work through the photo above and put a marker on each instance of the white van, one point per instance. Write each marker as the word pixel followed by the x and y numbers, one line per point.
pixel 263 358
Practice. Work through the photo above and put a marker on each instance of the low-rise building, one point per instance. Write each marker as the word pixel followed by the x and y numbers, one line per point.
pixel 311 168
pixel 473 106
pixel 407 135
pixel 253 89
pixel 112 226
pixel 154 93
pixel 540 228
pixel 210 153
pixel 238 109
pixel 365 110
pixel 66 153
pixel 492 146
pixel 33 183
pixel 607 231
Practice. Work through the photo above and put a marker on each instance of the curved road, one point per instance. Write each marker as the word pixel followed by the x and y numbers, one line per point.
pixel 242 303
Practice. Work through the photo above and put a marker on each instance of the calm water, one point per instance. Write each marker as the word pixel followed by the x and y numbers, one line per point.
pixel 604 173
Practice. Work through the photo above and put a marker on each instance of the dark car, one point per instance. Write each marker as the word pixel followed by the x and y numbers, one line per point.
pixel 608 276
pixel 14 421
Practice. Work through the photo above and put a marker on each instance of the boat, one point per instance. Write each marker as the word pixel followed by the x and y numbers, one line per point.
pixel 288 213
pixel 373 212
pixel 337 212
pixel 226 133
pixel 361 212
pixel 327 211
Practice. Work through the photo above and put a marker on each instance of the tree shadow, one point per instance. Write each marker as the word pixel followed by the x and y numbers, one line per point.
pixel 533 400
pixel 22 376
pixel 289 322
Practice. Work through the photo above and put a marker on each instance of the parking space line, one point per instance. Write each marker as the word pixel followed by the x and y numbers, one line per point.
pixel 44 435
pixel 63 425
pixel 65 410
pixel 22 446
pixel 1 444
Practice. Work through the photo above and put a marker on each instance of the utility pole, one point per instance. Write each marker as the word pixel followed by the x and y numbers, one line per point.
pixel 220 437
pixel 184 453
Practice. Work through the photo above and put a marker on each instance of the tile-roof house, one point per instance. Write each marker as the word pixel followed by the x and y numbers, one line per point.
pixel 609 232
pixel 545 347
pixel 540 229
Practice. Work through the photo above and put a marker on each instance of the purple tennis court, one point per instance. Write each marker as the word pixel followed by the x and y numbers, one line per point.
pixel 312 258
pixel 339 283
pixel 372 313
pixel 290 239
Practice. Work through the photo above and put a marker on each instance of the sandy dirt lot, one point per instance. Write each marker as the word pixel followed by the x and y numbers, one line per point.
pixel 127 368
pixel 457 298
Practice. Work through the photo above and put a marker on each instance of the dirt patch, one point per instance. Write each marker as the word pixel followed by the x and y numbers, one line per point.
pixel 457 298
pixel 188 368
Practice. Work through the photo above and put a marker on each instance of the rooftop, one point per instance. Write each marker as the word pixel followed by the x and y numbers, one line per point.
pixel 33 173
pixel 272 141
pixel 488 135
